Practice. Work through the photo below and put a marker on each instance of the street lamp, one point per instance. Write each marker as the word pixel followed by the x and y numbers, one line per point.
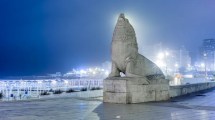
pixel 202 65
pixel 205 59
pixel 160 55
pixel 166 54
pixel 162 60
pixel 176 67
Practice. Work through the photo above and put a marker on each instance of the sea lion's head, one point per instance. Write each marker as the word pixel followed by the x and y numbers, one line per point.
pixel 124 31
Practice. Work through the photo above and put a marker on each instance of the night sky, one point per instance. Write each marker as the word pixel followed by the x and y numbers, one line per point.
pixel 46 36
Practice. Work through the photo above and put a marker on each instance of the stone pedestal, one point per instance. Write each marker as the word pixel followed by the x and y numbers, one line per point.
pixel 135 90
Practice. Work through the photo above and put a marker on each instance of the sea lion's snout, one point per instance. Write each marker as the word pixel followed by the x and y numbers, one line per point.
pixel 121 17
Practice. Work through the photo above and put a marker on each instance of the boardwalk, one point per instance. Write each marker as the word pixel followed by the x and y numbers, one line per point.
pixel 199 106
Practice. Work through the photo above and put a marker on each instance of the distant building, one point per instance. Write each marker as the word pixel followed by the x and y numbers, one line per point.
pixel 179 58
pixel 169 60
pixel 207 54
pixel 184 57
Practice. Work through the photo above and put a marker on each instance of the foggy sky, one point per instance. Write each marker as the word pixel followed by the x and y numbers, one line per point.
pixel 46 36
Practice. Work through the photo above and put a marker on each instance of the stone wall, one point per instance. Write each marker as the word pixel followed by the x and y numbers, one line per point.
pixel 189 88
pixel 135 90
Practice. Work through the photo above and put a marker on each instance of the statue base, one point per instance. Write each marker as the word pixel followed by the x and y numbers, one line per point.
pixel 135 90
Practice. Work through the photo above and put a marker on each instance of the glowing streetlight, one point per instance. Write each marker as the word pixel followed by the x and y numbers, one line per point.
pixel 66 81
pixel 160 55
pixel 90 70
pixel 205 58
pixel 39 82
pixel 176 67
pixel 202 65
pixel 106 73
pixel 83 72
pixel 54 82
pixel 166 53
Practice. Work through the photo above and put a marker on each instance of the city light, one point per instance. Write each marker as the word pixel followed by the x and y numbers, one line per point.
pixel 160 56
pixel 83 72
pixel 54 82
pixel 39 82
pixel 166 53
pixel 162 61
pixel 66 81
pixel 92 72
pixel 106 73
pixel 202 65
pixel 188 65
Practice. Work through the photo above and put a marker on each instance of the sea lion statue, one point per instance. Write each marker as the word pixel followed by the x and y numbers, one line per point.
pixel 125 56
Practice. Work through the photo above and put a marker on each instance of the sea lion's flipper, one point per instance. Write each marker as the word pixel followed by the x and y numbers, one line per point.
pixel 114 71
pixel 130 67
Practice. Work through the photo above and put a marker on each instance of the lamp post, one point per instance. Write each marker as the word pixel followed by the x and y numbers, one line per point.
pixel 176 67
pixel 213 60
pixel 166 54
pixel 162 61
pixel 205 60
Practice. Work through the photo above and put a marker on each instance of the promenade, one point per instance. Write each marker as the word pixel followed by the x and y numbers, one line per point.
pixel 198 106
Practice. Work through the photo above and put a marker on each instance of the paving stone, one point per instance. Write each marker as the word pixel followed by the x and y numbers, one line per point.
pixel 184 108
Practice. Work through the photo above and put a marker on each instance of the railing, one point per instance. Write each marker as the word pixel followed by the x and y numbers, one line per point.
pixel 25 89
